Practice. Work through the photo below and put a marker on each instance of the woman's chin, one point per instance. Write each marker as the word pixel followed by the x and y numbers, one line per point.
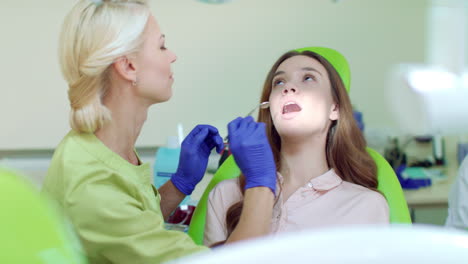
pixel 156 99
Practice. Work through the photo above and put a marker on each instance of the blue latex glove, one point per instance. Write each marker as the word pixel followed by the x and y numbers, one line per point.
pixel 194 153
pixel 252 152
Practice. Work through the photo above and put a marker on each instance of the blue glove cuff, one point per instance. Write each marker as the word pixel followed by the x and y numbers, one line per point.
pixel 180 184
pixel 259 181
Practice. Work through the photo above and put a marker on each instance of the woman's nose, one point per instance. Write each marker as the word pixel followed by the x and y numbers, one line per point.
pixel 289 89
pixel 173 57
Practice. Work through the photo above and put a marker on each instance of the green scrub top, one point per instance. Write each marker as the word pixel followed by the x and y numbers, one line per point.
pixel 31 231
pixel 112 204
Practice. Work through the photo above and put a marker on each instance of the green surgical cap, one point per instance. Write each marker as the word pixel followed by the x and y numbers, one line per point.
pixel 336 59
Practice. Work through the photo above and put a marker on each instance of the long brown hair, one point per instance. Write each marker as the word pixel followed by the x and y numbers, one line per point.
pixel 345 147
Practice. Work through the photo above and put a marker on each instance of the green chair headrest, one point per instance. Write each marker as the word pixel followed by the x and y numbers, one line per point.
pixel 336 59
pixel 32 230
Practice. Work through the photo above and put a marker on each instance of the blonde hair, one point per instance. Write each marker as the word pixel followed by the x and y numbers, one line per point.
pixel 95 34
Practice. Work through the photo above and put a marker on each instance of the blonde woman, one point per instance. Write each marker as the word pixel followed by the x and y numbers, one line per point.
pixel 114 59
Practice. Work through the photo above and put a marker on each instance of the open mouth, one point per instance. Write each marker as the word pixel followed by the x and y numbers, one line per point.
pixel 291 107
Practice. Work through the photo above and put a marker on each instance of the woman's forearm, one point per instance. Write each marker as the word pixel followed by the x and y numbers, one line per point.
pixel 255 219
pixel 171 197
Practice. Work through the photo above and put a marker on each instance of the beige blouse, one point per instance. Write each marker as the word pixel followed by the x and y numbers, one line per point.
pixel 324 201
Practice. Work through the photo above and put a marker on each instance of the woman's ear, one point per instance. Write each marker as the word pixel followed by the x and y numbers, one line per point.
pixel 125 68
pixel 334 112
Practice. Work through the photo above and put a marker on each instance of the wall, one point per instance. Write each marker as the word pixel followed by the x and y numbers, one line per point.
pixel 223 53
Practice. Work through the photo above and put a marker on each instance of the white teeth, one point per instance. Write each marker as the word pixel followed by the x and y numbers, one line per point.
pixel 289 103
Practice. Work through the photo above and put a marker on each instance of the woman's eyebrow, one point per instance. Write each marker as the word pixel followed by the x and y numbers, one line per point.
pixel 278 73
pixel 304 69
pixel 310 69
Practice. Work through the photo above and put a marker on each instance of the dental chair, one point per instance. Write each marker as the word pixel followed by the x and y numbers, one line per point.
pixel 32 231
pixel 388 185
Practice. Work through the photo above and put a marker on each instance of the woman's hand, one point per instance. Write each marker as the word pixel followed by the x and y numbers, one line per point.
pixel 195 150
pixel 252 152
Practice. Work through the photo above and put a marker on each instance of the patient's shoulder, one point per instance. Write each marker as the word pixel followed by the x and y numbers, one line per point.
pixel 362 192
pixel 228 184
pixel 226 192
pixel 370 202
